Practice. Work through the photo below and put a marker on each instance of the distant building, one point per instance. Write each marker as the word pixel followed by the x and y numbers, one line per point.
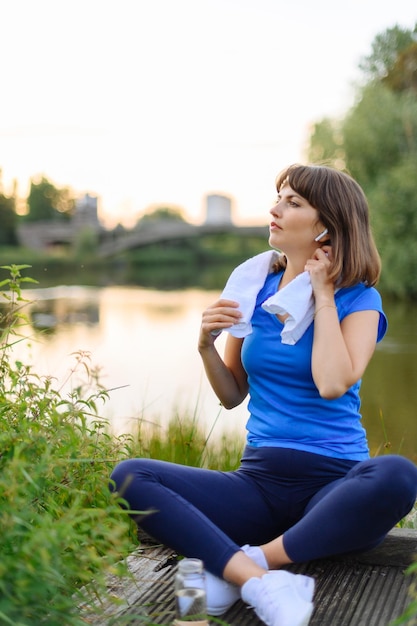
pixel 86 212
pixel 218 209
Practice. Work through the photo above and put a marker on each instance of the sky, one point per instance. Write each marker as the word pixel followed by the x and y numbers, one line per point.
pixel 148 103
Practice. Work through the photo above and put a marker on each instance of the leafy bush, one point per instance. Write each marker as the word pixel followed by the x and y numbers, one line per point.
pixel 62 529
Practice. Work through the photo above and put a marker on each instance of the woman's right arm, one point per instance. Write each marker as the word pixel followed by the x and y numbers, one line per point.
pixel 226 376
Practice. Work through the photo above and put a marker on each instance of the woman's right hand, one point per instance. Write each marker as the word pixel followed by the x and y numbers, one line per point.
pixel 226 375
pixel 220 315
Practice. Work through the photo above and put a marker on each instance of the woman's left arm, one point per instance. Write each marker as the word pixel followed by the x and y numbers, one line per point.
pixel 341 351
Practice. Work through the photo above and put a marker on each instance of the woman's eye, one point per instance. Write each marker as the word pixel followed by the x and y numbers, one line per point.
pixel 291 203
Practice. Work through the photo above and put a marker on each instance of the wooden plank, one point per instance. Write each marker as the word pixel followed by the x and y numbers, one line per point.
pixel 356 595
pixel 399 548
pixel 369 589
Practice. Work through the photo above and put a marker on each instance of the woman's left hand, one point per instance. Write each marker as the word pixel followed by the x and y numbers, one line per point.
pixel 318 267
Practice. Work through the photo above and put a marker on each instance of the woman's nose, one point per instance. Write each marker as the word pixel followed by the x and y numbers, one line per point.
pixel 275 210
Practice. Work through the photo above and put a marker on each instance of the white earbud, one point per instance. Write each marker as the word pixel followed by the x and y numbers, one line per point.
pixel 325 231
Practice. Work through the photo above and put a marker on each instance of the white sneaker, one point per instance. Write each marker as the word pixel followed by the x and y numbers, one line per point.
pixel 280 598
pixel 221 595
pixel 305 586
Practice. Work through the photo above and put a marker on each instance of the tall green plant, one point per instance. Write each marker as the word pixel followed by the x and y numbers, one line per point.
pixel 62 530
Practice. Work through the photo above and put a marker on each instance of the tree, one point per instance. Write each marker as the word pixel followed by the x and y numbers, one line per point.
pixel 47 202
pixel 8 220
pixel 379 132
pixel 326 143
pixel 377 143
pixel 394 216
pixel 385 50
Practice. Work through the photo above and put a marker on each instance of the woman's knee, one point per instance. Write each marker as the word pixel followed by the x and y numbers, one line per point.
pixel 124 473
pixel 406 479
pixel 395 478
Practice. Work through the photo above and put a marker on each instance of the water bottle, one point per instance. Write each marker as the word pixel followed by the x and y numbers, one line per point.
pixel 190 594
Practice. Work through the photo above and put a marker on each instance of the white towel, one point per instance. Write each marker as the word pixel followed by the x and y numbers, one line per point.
pixel 243 286
pixel 295 299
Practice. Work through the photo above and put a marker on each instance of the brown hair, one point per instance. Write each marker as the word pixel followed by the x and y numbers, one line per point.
pixel 343 210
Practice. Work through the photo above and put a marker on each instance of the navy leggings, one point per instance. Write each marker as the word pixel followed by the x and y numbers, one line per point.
pixel 323 506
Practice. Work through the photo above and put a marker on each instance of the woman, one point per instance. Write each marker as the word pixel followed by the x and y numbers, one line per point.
pixel 306 487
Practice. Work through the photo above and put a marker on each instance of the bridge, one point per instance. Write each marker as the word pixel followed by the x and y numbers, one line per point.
pixel 47 234
pixel 161 232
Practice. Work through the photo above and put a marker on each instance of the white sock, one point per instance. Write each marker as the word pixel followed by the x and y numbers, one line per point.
pixel 256 554
pixel 221 594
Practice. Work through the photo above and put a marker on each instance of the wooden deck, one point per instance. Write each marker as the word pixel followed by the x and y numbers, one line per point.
pixel 368 590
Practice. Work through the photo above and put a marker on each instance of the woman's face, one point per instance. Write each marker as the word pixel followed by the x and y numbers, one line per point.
pixel 295 223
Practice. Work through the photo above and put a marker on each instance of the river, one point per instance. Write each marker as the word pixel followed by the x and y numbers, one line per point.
pixel 144 343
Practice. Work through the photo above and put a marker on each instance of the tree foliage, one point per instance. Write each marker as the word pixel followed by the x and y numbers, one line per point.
pixel 47 202
pixel 8 220
pixel 393 198
pixel 403 75
pixel 325 142
pixel 377 143
pixel 379 132
pixel 162 213
pixel 386 48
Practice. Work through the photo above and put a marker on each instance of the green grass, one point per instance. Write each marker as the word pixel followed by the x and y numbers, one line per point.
pixel 184 441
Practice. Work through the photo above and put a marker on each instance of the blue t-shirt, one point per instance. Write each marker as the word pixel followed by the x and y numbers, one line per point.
pixel 286 409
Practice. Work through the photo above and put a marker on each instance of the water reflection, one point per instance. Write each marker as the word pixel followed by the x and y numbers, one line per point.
pixel 390 383
pixel 59 306
pixel 145 344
